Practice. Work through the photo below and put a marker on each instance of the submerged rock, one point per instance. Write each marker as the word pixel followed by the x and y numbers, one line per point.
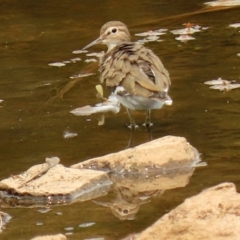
pixel 159 155
pixel 212 214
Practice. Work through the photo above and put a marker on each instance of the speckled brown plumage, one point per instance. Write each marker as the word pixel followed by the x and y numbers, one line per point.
pixel 136 68
pixel 133 72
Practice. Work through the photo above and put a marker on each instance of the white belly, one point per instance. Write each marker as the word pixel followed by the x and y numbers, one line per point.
pixel 140 103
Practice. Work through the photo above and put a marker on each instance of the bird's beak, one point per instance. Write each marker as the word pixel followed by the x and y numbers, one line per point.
pixel 95 42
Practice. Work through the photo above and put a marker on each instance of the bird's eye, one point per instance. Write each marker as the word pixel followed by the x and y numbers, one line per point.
pixel 114 30
pixel 125 211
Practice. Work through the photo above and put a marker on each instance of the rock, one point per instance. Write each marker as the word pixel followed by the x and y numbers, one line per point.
pixel 53 184
pixel 158 155
pixel 212 214
pixel 145 171
pixel 51 237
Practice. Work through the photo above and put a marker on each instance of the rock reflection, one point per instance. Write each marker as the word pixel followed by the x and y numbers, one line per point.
pixel 4 218
pixel 133 190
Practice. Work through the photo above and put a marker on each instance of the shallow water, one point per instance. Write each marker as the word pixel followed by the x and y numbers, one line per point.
pixel 34 34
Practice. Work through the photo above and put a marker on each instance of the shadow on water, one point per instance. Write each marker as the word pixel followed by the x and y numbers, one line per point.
pixel 34 34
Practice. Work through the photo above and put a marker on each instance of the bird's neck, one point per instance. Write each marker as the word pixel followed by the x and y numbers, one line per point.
pixel 113 45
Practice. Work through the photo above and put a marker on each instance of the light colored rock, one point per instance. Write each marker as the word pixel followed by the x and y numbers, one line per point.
pixel 212 214
pixel 158 155
pixel 55 184
pixel 58 180
pixel 51 237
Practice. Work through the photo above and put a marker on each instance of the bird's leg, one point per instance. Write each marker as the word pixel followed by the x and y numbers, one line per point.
pixel 149 133
pixel 130 141
pixel 132 122
pixel 148 123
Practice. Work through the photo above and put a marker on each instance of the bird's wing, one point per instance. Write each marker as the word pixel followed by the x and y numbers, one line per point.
pixel 136 68
pixel 152 65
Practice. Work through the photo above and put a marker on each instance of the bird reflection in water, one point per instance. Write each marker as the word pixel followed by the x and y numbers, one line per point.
pixel 133 190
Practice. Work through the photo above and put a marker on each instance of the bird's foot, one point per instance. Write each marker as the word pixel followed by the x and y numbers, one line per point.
pixel 148 124
pixel 132 126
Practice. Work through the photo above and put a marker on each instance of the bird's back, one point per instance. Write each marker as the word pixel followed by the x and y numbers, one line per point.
pixel 136 69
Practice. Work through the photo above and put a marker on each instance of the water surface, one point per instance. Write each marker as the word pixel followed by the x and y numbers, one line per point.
pixel 34 34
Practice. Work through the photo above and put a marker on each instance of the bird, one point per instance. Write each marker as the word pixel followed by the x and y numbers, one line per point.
pixel 133 73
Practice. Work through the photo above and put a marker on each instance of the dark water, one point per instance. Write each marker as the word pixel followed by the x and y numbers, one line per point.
pixel 34 34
